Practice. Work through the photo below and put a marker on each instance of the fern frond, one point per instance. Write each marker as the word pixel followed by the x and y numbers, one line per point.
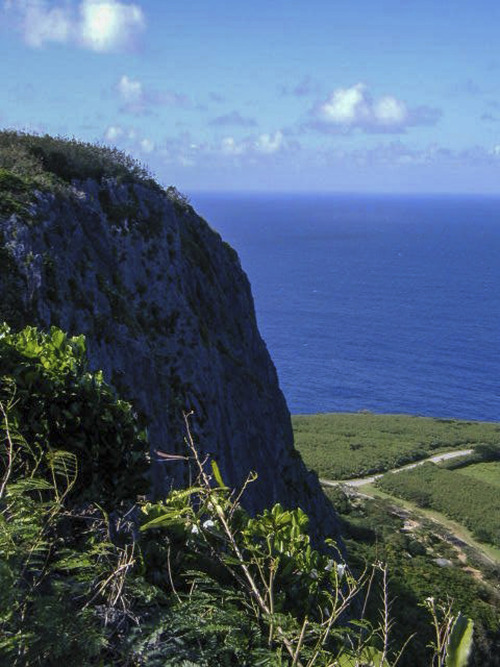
pixel 64 468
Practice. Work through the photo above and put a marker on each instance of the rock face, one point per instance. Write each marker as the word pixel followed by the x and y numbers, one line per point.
pixel 168 315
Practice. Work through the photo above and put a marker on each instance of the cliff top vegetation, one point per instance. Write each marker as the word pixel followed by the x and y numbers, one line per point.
pixel 42 161
pixel 45 159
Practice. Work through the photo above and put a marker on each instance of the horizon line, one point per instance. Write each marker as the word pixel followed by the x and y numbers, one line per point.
pixel 342 193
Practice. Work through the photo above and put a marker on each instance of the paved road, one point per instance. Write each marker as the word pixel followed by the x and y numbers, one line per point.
pixel 360 481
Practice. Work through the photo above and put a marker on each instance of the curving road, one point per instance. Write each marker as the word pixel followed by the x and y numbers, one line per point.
pixel 360 481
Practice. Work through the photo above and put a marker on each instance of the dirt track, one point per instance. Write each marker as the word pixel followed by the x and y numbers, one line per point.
pixel 360 481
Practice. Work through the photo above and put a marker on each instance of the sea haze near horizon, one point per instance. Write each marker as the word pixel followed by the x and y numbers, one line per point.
pixel 383 303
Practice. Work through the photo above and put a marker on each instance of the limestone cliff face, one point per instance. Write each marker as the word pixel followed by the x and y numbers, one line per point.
pixel 168 315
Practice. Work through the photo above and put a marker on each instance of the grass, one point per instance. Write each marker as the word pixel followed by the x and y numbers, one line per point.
pixel 340 445
pixel 485 472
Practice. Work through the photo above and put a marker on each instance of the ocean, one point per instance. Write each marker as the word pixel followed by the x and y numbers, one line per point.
pixel 383 303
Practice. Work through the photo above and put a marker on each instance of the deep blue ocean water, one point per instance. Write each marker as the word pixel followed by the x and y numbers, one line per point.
pixel 382 303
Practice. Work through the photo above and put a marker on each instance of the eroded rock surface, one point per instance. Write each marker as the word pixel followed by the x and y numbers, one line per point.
pixel 169 317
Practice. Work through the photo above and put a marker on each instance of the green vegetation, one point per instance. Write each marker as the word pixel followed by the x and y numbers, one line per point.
pixel 92 572
pixel 42 160
pixel 485 553
pixel 424 563
pixel 13 193
pixel 52 398
pixel 29 162
pixel 472 502
pixel 484 472
pixel 341 446
pixel 424 559
pixel 481 454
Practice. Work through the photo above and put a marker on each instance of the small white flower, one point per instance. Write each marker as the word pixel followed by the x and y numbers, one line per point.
pixel 208 524
pixel 340 570
pixel 194 529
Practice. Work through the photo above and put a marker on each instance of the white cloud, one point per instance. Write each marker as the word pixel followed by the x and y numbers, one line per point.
pixel 139 100
pixel 350 108
pixel 268 143
pixel 346 106
pixel 388 110
pixel 114 133
pixel 99 25
pixel 130 91
pixel 229 146
pixel 264 144
pixel 109 25
pixel 41 24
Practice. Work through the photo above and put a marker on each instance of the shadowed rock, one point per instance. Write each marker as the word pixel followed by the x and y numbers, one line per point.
pixel 169 317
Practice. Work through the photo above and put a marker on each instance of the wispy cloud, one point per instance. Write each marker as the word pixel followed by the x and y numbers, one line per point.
pixel 186 151
pixel 130 90
pixel 113 133
pixel 347 109
pixel 98 25
pixel 397 154
pixel 489 117
pixel 233 118
pixel 216 97
pixel 306 86
pixel 138 100
pixel 262 144
pixel 129 138
pixel 466 88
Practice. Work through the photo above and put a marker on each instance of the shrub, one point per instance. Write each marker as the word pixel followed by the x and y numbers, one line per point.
pixel 58 404
pixel 34 156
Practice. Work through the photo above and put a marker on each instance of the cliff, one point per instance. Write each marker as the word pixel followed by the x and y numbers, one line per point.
pixel 89 243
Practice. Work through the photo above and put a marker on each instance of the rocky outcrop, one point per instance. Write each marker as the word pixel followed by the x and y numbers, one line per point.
pixel 168 316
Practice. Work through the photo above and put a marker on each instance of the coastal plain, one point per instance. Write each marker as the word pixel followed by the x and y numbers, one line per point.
pixel 345 445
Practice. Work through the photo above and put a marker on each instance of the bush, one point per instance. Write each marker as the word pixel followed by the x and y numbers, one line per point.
pixel 57 404
pixel 44 160
pixel 60 575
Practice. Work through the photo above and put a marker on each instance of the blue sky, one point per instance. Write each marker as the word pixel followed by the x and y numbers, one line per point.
pixel 273 95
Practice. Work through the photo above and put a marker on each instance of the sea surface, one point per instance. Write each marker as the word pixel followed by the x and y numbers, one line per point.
pixel 383 303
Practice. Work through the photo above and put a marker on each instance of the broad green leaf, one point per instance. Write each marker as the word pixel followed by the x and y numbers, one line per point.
pixel 460 642
pixel 167 519
pixel 369 657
